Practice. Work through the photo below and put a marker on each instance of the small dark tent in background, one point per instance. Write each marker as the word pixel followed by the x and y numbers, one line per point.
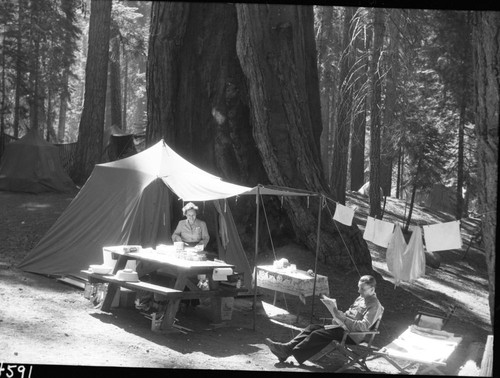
pixel 442 198
pixel 32 165
pixel 118 144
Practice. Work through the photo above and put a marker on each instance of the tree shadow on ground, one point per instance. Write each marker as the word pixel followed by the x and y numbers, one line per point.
pixel 204 336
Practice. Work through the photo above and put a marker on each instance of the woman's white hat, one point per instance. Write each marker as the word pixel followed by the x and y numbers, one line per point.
pixel 189 206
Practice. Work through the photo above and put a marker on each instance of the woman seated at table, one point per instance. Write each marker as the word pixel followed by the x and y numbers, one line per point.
pixel 191 231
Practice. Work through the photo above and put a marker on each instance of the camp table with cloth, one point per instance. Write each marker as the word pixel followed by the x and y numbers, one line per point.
pixel 297 282
pixel 183 272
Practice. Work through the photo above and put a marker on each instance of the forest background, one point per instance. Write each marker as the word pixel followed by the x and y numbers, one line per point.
pixel 323 98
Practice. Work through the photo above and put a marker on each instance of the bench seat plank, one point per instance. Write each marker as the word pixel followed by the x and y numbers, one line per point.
pixel 163 290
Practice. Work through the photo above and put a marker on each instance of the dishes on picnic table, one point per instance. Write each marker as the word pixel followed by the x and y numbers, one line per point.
pixel 132 248
pixel 100 269
pixel 127 275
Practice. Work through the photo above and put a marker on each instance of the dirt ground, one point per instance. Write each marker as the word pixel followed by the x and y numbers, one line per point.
pixel 46 322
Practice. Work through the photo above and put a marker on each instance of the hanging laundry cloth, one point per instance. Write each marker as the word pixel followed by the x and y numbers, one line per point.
pixel 413 256
pixel 394 253
pixel 343 214
pixel 443 236
pixel 406 262
pixel 382 233
pixel 369 229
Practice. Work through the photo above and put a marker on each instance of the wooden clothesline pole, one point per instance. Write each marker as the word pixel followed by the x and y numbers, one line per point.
pixel 320 209
pixel 257 201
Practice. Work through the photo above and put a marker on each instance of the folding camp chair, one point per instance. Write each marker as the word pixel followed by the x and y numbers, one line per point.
pixel 424 346
pixel 428 317
pixel 355 353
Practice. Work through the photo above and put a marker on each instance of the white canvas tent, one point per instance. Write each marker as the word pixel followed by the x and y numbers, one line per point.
pixel 127 202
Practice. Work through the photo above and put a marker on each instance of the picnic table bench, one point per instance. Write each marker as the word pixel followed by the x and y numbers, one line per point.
pixel 181 271
pixel 167 292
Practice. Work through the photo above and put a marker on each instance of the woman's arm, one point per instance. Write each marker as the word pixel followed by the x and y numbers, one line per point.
pixel 205 237
pixel 176 236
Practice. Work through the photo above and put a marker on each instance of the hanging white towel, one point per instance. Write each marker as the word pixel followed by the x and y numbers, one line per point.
pixel 443 236
pixel 343 214
pixel 406 262
pixel 382 233
pixel 394 253
pixel 413 257
pixel 369 229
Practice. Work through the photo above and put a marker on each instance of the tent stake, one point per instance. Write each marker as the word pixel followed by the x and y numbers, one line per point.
pixel 257 201
pixel 321 200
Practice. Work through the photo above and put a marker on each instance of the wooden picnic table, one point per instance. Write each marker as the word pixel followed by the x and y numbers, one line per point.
pixel 184 274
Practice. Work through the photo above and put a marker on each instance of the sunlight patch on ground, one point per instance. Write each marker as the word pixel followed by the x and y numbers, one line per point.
pixel 472 299
pixel 280 316
pixel 272 310
pixel 30 206
pixel 287 325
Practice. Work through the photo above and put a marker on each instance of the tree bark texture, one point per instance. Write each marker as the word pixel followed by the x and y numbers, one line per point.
pixel 208 117
pixel 327 79
pixel 115 83
pixel 269 38
pixel 63 107
pixel 460 164
pixel 390 101
pixel 89 145
pixel 233 89
pixel 338 175
pixel 125 93
pixel 197 96
pixel 486 50
pixel 359 122
pixel 168 26
pixel 378 38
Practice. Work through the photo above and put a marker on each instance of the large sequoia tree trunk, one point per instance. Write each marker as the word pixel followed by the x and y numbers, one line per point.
pixel 375 124
pixel 168 25
pixel 362 43
pixel 327 78
pixel 197 97
pixel 115 83
pixel 391 95
pixel 270 47
pixel 338 176
pixel 243 103
pixel 486 42
pixel 89 145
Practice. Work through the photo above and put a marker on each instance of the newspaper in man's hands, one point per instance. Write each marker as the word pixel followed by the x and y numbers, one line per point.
pixel 331 305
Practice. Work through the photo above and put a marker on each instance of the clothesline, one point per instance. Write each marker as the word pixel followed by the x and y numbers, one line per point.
pixel 343 241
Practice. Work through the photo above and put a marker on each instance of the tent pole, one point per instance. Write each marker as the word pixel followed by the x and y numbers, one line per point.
pixel 257 201
pixel 320 209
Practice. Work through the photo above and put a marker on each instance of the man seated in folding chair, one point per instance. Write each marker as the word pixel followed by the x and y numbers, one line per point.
pixel 360 317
